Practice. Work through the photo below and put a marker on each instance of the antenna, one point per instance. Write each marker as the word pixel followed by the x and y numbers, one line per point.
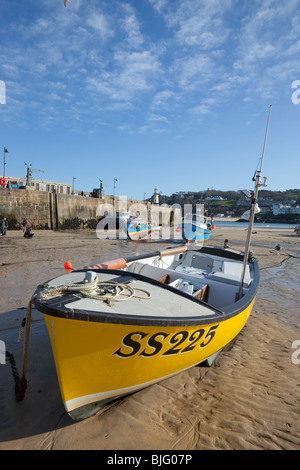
pixel 256 177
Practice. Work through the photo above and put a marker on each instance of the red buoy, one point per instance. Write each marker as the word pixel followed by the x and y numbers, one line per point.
pixel 68 265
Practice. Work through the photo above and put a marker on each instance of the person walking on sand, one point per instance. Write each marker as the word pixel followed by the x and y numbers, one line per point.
pixel 24 225
pixel 4 226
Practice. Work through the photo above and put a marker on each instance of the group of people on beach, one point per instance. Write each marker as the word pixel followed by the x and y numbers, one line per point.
pixel 28 233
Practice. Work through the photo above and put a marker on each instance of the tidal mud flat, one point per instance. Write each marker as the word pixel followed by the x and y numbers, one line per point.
pixel 248 400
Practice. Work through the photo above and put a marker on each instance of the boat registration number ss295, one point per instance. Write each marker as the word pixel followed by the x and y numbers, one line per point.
pixel 164 343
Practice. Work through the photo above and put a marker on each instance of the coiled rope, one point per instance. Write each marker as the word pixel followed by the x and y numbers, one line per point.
pixel 107 291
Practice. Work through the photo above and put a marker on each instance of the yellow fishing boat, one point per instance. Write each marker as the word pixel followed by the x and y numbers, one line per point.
pixel 121 326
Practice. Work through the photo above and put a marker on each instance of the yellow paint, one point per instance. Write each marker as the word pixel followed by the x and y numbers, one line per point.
pixel 87 363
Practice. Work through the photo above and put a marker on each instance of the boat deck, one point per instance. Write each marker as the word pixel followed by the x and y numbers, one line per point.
pixel 222 277
pixel 162 303
pixel 154 290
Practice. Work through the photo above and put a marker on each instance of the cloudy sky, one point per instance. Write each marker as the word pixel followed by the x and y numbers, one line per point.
pixel 167 93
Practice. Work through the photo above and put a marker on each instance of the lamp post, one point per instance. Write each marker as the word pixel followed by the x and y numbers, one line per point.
pixel 115 180
pixel 5 151
pixel 101 189
pixel 74 178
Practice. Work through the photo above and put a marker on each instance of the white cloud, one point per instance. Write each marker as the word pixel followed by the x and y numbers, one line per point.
pixel 196 22
pixel 205 107
pixel 2 92
pixel 108 56
pixel 132 73
pixel 204 29
pixel 101 24
pixel 193 72
pixel 266 33
pixel 157 118
pixel 163 99
pixel 266 54
pixel 131 27
pixel 159 5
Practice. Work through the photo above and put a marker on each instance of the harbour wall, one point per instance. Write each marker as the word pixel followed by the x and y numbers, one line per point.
pixel 54 211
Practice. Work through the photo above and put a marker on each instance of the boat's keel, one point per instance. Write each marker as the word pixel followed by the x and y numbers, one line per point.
pixel 86 411
pixel 210 360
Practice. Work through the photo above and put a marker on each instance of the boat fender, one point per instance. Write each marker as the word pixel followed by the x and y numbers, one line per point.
pixel 118 263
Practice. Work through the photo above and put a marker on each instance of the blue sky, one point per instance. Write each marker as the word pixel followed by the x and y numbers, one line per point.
pixel 164 93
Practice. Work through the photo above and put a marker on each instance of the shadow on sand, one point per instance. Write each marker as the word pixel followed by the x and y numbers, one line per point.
pixel 42 409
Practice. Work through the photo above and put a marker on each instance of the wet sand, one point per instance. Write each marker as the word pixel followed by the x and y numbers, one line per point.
pixel 248 400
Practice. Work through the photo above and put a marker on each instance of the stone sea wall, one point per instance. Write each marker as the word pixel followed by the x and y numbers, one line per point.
pixel 55 211
pixel 18 204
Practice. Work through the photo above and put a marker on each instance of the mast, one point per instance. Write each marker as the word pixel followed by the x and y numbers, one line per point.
pixel 256 178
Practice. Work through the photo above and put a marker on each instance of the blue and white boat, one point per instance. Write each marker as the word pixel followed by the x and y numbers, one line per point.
pixel 195 227
pixel 138 229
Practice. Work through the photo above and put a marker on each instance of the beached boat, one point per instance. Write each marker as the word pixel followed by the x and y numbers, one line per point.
pixel 195 227
pixel 137 229
pixel 125 225
pixel 123 325
pixel 113 222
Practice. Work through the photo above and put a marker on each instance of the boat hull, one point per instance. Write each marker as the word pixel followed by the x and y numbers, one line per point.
pixel 138 235
pixel 138 230
pixel 97 362
pixel 191 232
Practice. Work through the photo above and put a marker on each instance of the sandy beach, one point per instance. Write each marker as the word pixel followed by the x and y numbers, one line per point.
pixel 248 400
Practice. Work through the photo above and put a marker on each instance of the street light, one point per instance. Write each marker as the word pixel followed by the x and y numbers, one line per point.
pixel 101 189
pixel 5 151
pixel 74 178
pixel 115 180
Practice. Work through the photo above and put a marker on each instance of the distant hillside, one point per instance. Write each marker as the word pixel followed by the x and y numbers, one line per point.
pixel 232 202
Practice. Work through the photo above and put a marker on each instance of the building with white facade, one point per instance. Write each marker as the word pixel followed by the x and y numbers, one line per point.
pixel 38 185
pixel 279 209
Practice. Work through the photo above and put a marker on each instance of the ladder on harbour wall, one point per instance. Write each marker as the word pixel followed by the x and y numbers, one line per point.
pixel 53 209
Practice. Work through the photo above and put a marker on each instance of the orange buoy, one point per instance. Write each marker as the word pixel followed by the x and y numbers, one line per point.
pixel 68 265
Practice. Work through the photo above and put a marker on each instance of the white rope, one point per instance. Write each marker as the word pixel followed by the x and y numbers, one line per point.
pixel 105 291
